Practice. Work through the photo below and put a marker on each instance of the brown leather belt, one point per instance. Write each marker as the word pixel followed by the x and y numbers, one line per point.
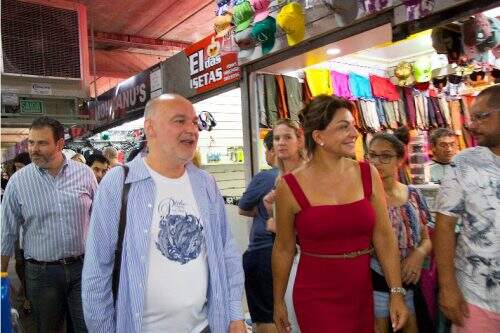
pixel 347 255
pixel 63 261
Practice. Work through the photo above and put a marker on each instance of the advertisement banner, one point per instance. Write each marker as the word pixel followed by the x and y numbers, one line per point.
pixel 209 67
pixel 127 97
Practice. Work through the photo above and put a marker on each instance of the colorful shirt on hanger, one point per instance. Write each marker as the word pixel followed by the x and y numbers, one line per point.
pixel 261 101
pixel 294 96
pixel 319 81
pixel 445 109
pixel 281 96
pixel 390 114
pixel 383 88
pixel 271 99
pixel 411 113
pixel 340 83
pixel 360 86
pixel 456 119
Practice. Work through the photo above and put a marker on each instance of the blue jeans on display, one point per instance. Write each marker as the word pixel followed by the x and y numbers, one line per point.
pixel 55 295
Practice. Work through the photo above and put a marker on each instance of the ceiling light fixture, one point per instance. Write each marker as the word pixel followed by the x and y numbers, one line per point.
pixel 333 51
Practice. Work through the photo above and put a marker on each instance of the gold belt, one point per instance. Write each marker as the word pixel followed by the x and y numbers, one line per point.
pixel 347 255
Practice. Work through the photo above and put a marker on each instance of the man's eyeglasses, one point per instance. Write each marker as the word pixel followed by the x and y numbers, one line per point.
pixel 382 158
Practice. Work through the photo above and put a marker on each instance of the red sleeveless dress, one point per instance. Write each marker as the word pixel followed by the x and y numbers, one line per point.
pixel 333 294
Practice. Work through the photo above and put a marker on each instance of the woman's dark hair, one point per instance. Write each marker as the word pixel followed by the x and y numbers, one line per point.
pixel 403 134
pixel 397 145
pixel 318 114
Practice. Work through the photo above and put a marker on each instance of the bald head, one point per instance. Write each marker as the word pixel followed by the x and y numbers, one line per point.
pixel 490 96
pixel 164 103
pixel 171 127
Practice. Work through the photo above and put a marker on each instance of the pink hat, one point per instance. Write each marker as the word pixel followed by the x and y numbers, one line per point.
pixel 261 9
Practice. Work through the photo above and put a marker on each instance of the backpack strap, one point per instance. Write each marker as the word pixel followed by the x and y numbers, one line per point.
pixel 121 234
pixel 297 192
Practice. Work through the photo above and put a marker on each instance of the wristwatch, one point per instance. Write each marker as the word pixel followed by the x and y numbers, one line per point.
pixel 398 290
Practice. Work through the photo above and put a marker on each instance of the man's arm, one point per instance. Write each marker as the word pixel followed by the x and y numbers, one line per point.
pixel 450 205
pixel 256 190
pixel 451 300
pixel 97 296
pixel 232 260
pixel 11 219
pixel 444 248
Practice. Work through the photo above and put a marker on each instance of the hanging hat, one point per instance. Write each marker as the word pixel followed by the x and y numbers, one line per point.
pixel 242 16
pixel 422 69
pixel 439 82
pixel 416 9
pixel 404 74
pixel 264 32
pixel 223 6
pixel 245 43
pixel 487 32
pixel 222 24
pixel 447 42
pixel 292 21
pixel 443 71
pixel 261 9
pixel 373 6
pixel 345 11
pixel 422 86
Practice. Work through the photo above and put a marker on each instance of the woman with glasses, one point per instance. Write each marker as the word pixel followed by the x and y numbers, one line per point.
pixel 409 216
pixel 335 206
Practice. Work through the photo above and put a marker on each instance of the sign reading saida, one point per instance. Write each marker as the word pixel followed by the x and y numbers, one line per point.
pixel 31 106
pixel 209 68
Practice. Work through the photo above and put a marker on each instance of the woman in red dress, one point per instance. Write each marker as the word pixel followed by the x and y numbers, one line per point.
pixel 337 208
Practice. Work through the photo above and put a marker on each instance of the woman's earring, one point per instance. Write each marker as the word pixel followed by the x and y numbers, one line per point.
pixel 321 144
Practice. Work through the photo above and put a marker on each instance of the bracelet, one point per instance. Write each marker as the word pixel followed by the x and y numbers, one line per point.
pixel 398 290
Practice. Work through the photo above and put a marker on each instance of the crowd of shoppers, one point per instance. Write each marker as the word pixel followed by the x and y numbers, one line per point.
pixel 150 250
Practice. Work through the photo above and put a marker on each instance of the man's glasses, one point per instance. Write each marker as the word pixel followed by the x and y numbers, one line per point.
pixel 382 158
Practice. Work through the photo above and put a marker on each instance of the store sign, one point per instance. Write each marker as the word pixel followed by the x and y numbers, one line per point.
pixel 41 89
pixel 29 106
pixel 127 97
pixel 209 68
pixel 10 99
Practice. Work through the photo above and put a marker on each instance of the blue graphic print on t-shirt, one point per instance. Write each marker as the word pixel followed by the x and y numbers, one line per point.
pixel 180 237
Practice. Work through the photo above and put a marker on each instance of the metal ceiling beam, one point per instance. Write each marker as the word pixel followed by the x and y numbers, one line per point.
pixel 138 41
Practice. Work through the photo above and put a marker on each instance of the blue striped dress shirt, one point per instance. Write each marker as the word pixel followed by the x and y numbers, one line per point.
pixel 225 285
pixel 53 211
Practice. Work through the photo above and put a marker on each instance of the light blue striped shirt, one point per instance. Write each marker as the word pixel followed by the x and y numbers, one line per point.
pixel 225 287
pixel 53 211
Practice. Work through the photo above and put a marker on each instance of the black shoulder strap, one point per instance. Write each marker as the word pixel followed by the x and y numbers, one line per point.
pixel 121 233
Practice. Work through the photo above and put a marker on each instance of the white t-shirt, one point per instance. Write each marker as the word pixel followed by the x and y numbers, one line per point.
pixel 177 283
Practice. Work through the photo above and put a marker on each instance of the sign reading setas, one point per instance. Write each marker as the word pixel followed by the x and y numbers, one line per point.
pixel 209 68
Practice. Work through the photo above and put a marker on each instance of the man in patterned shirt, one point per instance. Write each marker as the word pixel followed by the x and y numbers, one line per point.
pixel 469 265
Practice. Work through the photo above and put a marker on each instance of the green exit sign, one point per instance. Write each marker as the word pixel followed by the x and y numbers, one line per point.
pixel 31 106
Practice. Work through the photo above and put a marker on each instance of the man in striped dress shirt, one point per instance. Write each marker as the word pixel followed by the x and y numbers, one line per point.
pixel 181 270
pixel 51 199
